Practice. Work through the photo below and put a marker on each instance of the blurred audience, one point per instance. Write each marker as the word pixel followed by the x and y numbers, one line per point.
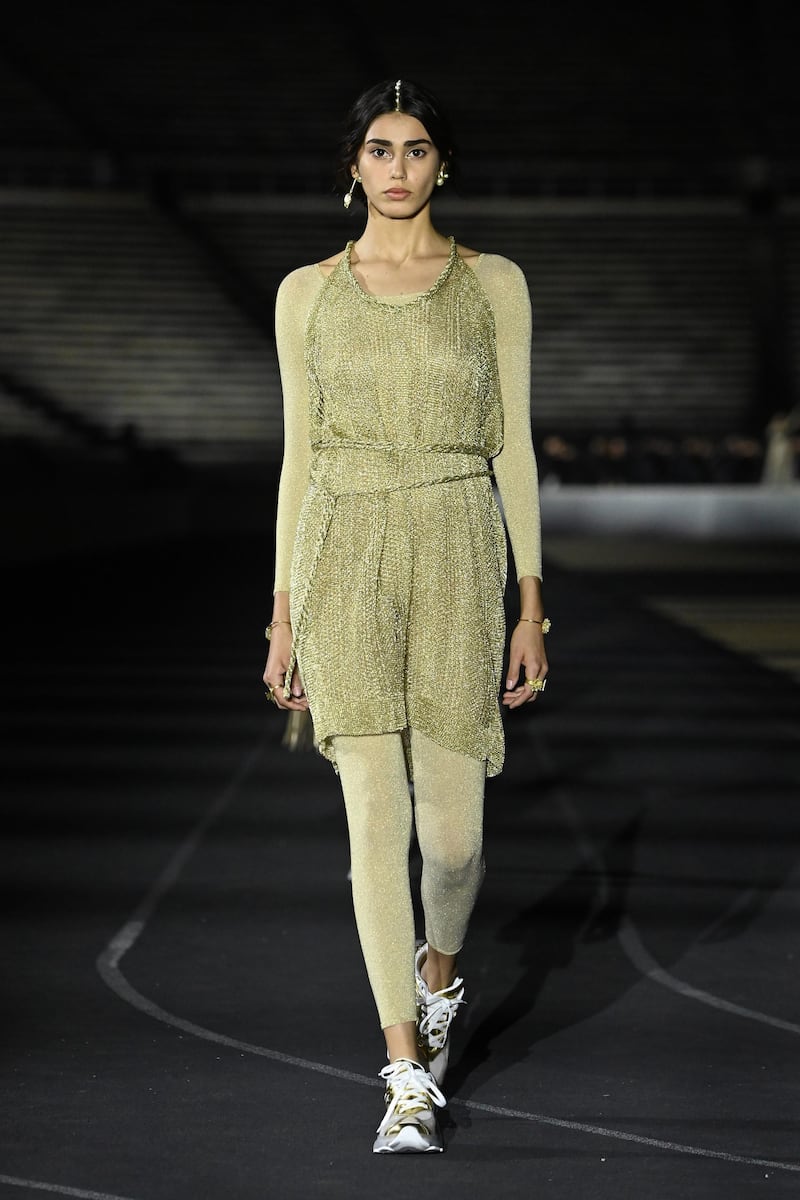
pixel 620 458
pixel 636 457
pixel 782 445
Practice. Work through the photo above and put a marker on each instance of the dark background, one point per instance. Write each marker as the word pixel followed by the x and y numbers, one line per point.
pixel 185 1014
pixel 161 167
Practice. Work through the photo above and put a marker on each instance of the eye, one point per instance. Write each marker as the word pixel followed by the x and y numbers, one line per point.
pixel 379 151
pixel 417 152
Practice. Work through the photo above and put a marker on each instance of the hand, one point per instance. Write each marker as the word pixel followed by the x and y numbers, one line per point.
pixel 280 648
pixel 526 660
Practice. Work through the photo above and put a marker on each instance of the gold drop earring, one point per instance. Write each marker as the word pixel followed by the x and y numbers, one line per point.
pixel 440 178
pixel 348 199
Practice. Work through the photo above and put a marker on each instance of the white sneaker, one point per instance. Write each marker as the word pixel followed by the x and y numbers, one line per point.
pixel 435 1013
pixel 412 1097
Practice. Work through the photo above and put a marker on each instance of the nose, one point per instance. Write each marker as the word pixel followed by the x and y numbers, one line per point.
pixel 399 169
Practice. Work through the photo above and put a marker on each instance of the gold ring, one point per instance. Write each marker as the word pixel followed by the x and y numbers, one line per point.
pixel 269 692
pixel 536 685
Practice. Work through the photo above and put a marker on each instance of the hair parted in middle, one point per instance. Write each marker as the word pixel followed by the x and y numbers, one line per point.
pixel 392 95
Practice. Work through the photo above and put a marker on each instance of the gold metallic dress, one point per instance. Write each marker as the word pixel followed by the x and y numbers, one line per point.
pixel 398 413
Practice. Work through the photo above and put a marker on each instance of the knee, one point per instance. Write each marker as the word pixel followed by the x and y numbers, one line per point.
pixel 455 860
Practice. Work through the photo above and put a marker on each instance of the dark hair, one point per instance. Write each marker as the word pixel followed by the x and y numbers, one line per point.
pixel 381 98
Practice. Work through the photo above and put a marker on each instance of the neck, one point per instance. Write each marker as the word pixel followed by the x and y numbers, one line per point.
pixel 400 240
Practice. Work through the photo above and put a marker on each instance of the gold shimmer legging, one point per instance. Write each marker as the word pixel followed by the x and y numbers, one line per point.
pixel 447 807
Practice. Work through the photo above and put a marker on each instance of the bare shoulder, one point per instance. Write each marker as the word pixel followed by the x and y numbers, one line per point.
pixel 328 264
pixel 470 257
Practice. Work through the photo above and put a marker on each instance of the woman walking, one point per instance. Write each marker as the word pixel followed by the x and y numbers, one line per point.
pixel 405 368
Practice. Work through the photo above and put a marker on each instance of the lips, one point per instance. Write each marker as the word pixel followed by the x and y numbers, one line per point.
pixel 397 193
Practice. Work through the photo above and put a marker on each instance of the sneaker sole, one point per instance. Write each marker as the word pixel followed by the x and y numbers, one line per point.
pixel 407 1145
pixel 410 1139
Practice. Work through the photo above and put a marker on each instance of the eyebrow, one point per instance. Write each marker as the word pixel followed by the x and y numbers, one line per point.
pixel 411 142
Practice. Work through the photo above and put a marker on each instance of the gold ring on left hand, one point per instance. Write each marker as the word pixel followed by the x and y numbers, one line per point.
pixel 536 685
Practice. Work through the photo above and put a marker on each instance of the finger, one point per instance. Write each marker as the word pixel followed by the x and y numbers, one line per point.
pixel 526 692
pixel 516 697
pixel 275 691
pixel 535 685
pixel 514 669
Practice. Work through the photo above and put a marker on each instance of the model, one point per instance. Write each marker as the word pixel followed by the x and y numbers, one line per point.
pixel 405 365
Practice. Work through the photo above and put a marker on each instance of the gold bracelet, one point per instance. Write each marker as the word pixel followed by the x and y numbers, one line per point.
pixel 545 622
pixel 271 626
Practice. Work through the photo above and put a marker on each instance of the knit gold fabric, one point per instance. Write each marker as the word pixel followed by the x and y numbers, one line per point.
pixel 398 550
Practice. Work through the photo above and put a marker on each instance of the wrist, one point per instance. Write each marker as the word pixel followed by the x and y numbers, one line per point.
pixel 276 623
pixel 544 622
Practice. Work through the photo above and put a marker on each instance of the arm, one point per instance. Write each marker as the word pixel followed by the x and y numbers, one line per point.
pixel 515 470
pixel 292 305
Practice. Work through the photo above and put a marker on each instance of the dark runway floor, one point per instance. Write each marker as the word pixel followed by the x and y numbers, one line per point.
pixel 185 1013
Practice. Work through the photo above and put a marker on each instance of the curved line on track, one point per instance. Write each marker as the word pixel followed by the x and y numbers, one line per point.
pixel 59 1189
pixel 638 954
pixel 108 966
pixel 644 962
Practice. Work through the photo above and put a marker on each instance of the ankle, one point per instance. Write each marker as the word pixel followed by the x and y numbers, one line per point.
pixel 438 970
pixel 401 1042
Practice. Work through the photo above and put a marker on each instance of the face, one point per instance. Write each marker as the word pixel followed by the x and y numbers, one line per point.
pixel 398 164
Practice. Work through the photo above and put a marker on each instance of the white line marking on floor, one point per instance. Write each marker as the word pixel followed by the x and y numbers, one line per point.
pixel 640 956
pixel 119 984
pixel 621 1135
pixel 59 1189
pixel 643 960
pixel 108 966
pixel 111 974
